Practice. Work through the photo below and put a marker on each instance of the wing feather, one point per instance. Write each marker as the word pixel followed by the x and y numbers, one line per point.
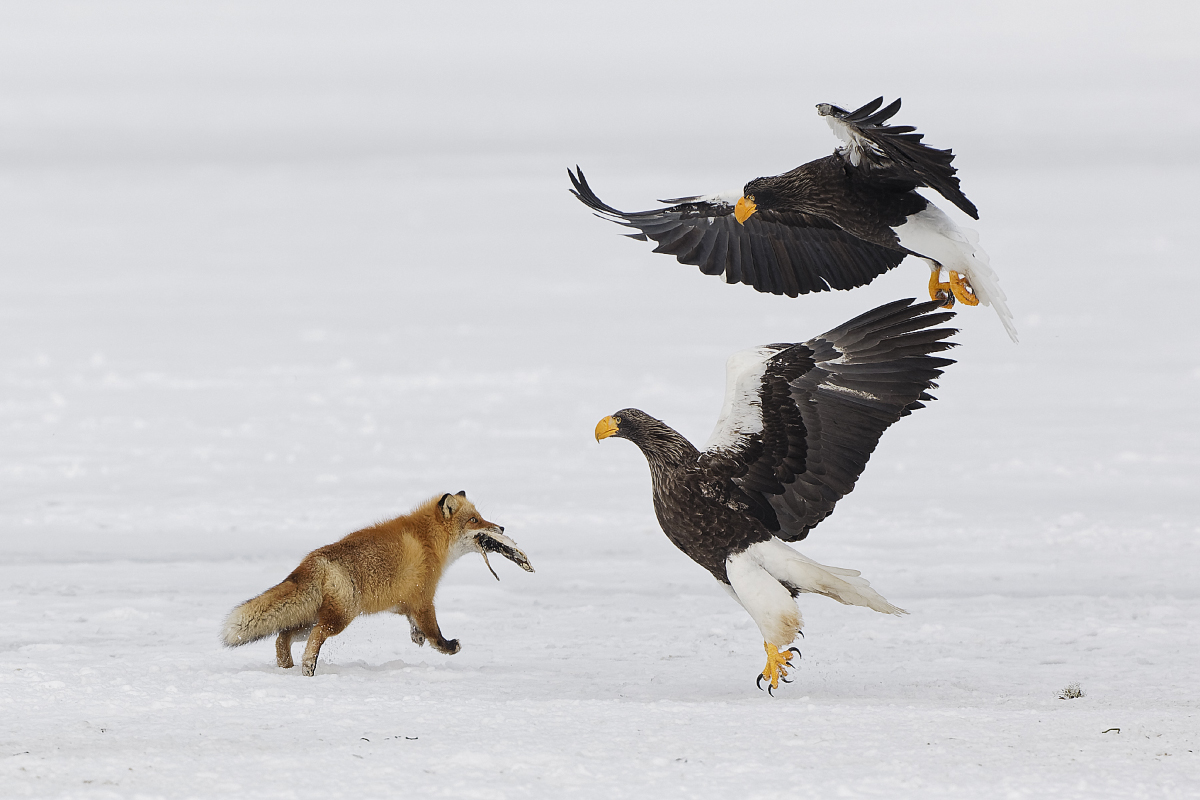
pixel 776 252
pixel 800 421
pixel 727 256
pixel 893 153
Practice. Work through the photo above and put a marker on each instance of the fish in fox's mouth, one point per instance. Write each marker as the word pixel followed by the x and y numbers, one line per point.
pixel 499 543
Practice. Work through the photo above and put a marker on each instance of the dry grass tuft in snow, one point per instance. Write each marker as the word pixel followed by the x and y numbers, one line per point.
pixel 1072 692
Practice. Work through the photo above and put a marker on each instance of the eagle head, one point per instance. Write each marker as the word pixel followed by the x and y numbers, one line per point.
pixel 624 424
pixel 758 194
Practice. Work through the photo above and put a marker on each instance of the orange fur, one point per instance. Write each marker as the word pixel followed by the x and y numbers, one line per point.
pixel 392 566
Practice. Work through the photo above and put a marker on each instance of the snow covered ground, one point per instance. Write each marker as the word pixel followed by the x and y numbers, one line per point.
pixel 274 271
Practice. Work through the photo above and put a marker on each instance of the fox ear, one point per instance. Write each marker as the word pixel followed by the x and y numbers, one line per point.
pixel 447 505
pixel 461 494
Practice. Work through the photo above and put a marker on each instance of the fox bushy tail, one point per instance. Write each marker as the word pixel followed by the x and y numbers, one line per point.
pixel 290 604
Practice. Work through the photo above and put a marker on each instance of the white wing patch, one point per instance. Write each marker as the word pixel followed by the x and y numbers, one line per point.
pixel 741 413
pixel 856 144
pixel 933 235
pixel 729 198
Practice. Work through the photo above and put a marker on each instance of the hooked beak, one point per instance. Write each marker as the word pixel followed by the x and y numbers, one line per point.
pixel 744 208
pixel 606 428
pixel 488 541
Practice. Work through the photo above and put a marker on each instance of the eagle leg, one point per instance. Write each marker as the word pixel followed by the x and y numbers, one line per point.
pixel 941 291
pixel 962 289
pixel 776 668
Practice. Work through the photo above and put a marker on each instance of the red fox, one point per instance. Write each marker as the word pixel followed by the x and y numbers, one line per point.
pixel 393 566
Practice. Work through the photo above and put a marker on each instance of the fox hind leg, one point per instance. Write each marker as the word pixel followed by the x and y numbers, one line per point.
pixel 330 622
pixel 283 646
pixel 283 649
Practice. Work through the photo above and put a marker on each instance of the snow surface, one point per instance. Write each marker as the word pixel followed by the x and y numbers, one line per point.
pixel 274 271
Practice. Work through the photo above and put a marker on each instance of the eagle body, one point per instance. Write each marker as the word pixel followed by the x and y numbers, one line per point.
pixel 798 424
pixel 827 188
pixel 702 512
pixel 834 223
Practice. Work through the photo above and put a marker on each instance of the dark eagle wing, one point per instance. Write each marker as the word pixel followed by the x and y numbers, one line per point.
pixel 777 252
pixel 800 421
pixel 893 154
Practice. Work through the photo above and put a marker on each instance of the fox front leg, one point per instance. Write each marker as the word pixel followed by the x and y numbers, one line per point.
pixel 424 620
pixel 414 632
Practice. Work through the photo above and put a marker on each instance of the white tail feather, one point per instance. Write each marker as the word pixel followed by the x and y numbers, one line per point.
pixel 847 586
pixel 763 577
pixel 984 281
pixel 933 235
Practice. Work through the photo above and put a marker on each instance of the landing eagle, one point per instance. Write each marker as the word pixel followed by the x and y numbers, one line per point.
pixel 798 424
pixel 834 223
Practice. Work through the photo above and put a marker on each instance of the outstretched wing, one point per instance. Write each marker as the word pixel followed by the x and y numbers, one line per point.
pixel 800 421
pixel 893 153
pixel 777 252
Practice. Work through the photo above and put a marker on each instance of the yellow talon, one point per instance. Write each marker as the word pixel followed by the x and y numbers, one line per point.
pixel 941 291
pixel 962 289
pixel 777 664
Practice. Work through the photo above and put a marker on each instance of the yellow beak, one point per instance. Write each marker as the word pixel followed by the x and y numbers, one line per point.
pixel 744 208
pixel 606 428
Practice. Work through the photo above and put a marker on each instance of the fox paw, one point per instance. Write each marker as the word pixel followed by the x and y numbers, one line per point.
pixel 418 638
pixel 447 646
pixel 309 668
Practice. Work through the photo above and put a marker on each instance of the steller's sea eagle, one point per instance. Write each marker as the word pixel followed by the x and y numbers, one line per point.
pixel 797 426
pixel 834 223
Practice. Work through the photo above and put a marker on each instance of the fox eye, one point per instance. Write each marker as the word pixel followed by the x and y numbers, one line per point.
pixel 473 520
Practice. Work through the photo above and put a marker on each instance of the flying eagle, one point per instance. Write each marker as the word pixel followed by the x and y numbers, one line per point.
pixel 797 426
pixel 834 223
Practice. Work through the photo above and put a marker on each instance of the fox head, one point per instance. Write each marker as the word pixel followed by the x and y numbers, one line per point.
pixel 470 531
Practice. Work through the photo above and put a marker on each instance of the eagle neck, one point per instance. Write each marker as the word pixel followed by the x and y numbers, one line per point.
pixel 665 450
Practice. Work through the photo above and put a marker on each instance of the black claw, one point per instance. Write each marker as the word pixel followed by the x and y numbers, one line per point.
pixel 793 650
pixel 758 682
pixel 770 692
pixel 786 680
